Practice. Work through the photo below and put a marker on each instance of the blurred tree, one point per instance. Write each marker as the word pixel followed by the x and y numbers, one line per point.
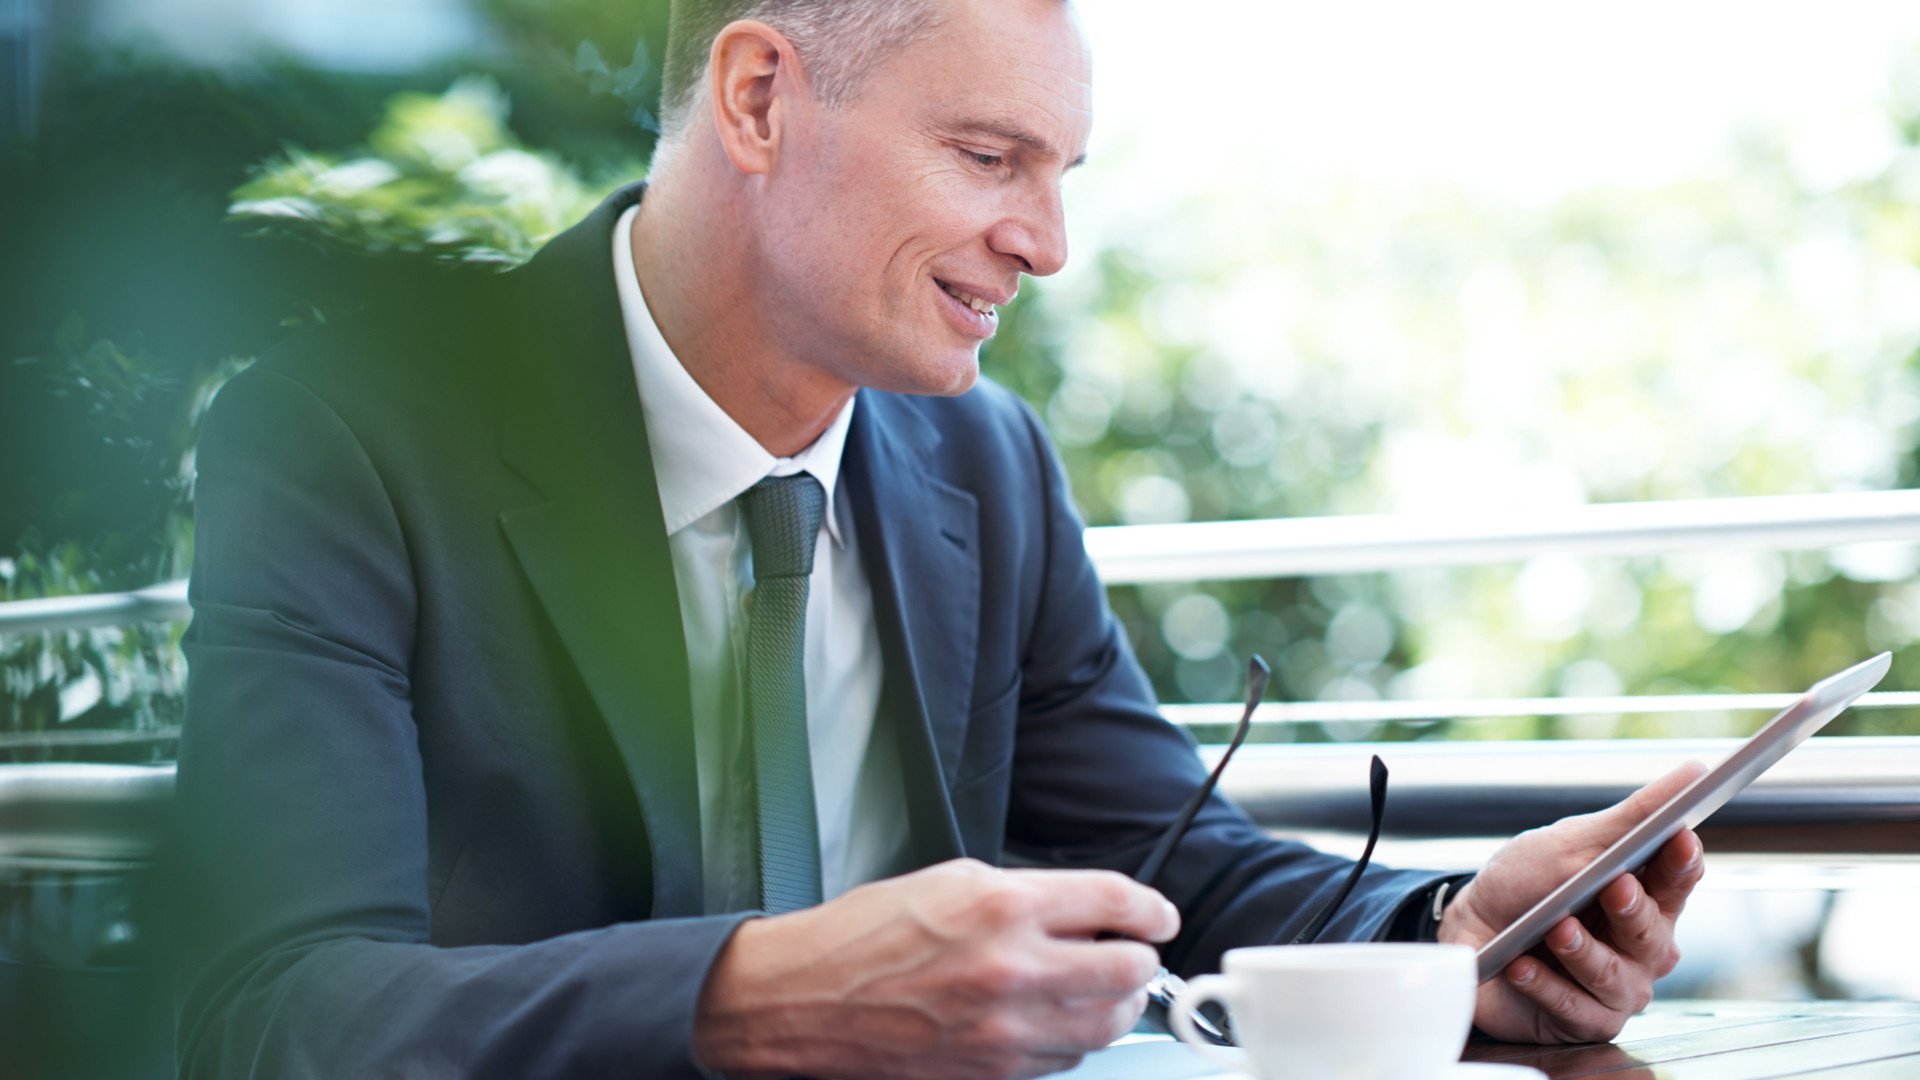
pixel 1353 349
pixel 127 292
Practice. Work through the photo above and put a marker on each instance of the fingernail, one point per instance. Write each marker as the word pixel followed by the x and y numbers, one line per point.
pixel 1573 943
pixel 1631 905
pixel 1172 913
pixel 1526 975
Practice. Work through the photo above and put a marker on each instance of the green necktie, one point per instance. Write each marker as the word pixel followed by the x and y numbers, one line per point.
pixel 783 516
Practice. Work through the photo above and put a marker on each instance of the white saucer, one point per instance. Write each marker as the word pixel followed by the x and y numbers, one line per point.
pixel 1465 1070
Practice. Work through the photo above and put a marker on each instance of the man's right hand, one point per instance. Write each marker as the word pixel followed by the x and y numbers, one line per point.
pixel 956 971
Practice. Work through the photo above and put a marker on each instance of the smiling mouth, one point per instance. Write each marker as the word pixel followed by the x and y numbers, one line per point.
pixel 983 306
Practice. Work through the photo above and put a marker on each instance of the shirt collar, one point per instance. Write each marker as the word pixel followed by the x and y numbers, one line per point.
pixel 702 458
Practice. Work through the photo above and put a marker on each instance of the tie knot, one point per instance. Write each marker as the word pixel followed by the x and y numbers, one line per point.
pixel 783 521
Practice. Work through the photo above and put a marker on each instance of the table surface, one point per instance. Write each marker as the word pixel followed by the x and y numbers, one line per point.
pixel 1740 1040
pixel 1672 1040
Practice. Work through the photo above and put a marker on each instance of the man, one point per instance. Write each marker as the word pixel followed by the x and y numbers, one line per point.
pixel 634 667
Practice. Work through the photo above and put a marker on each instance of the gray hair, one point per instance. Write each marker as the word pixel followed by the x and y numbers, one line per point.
pixel 840 42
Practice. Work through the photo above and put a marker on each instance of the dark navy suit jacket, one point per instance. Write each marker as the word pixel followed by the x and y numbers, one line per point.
pixel 437 786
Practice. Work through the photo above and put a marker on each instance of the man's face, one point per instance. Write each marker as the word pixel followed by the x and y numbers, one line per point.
pixel 897 222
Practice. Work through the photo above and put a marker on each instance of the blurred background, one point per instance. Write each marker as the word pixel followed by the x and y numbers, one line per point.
pixel 1481 257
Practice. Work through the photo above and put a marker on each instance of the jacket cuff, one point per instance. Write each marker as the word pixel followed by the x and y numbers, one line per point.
pixel 685 1021
pixel 1415 919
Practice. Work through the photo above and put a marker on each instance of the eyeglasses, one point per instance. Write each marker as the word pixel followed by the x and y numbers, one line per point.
pixel 1165 985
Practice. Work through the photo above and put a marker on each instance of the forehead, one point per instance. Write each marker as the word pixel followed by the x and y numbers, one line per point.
pixel 1021 67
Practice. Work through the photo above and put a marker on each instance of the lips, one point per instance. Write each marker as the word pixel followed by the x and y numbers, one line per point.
pixel 978 303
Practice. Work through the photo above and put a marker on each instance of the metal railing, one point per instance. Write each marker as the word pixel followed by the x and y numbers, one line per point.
pixel 90 814
pixel 1495 789
pixel 1306 547
pixel 1358 544
pixel 1834 795
pixel 166 602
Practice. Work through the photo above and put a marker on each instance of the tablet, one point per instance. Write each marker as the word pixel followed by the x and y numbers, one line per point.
pixel 1694 804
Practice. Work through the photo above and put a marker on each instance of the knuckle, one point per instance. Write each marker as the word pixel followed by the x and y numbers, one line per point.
pixel 1608 975
pixel 1001 973
pixel 1670 958
pixel 1112 892
pixel 1002 904
pixel 1561 1001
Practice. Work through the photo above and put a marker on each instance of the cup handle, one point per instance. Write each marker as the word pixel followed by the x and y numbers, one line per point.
pixel 1180 1017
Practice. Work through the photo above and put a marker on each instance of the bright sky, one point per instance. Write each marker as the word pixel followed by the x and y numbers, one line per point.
pixel 1518 97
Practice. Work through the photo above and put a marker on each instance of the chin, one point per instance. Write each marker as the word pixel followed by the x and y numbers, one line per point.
pixel 940 375
pixel 952 380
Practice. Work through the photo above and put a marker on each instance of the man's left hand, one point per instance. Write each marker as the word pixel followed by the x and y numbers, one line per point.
pixel 1596 969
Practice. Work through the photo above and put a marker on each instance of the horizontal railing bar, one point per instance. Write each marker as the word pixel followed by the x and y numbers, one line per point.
pixel 1845 793
pixel 166 602
pixel 1358 544
pixel 1378 712
pixel 83 812
pixel 1272 713
pixel 1308 546
pixel 1856 788
pixel 12 740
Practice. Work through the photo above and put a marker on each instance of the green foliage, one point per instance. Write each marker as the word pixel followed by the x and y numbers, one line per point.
pixel 129 292
pixel 141 419
pixel 442 176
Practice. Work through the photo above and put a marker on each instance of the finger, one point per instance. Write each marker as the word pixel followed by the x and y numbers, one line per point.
pixel 1086 902
pixel 1636 926
pixel 1047 1066
pixel 1069 1028
pixel 1062 1028
pixel 1639 928
pixel 1077 970
pixel 1573 1013
pixel 1671 876
pixel 1614 978
pixel 1615 820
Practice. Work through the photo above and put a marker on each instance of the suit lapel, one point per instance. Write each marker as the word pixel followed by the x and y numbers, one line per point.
pixel 596 552
pixel 919 542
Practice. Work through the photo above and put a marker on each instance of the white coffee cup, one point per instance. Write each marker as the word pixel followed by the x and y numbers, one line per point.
pixel 1365 1011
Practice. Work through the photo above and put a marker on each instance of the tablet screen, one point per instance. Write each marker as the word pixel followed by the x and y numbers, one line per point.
pixel 1826 700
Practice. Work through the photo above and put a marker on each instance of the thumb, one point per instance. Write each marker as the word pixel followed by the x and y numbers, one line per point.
pixel 1615 820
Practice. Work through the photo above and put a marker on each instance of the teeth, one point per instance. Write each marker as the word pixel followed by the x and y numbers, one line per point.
pixel 984 307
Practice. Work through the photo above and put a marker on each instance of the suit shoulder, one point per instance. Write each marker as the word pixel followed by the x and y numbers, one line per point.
pixel 439 343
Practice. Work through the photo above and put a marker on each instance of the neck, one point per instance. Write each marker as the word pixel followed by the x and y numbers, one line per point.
pixel 700 273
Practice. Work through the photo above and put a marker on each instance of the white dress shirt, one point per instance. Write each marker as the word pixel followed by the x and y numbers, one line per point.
pixel 702 460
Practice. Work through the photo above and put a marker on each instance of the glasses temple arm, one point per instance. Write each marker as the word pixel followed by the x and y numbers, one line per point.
pixel 1377 782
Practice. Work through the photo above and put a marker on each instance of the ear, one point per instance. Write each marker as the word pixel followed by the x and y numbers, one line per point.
pixel 753 74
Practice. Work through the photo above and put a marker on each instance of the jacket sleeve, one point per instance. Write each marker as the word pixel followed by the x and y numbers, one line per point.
pixel 1098 775
pixel 302 809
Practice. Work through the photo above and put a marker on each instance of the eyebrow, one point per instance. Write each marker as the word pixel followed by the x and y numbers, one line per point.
pixel 1004 129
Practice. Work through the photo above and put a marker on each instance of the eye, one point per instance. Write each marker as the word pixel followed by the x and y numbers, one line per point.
pixel 985 161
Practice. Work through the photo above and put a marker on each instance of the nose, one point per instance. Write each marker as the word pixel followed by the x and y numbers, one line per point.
pixel 1033 230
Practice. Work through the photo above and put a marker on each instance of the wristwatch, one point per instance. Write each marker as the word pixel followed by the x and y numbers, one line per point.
pixel 1433 905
